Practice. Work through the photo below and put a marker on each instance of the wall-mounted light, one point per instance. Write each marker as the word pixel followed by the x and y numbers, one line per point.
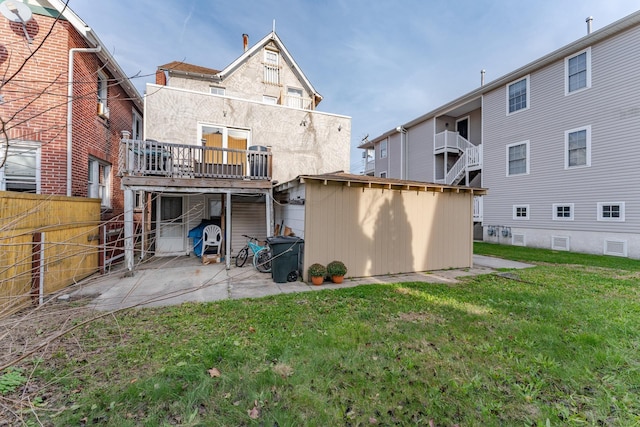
pixel 339 128
pixel 303 122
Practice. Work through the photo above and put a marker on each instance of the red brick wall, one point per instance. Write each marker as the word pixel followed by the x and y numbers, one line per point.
pixel 38 95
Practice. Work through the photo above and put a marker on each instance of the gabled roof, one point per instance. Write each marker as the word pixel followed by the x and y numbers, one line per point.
pixel 582 43
pixel 93 41
pixel 351 180
pixel 272 36
pixel 184 68
pixel 189 69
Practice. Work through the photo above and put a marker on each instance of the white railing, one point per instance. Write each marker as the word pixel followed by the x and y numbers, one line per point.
pixel 456 170
pixel 298 102
pixel 451 139
pixel 153 158
pixel 474 155
pixel 477 208
pixel 271 74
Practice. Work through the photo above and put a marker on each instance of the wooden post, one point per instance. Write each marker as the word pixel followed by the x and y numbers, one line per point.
pixel 227 256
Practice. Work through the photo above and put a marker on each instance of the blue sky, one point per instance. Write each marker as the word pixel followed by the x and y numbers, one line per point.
pixel 381 62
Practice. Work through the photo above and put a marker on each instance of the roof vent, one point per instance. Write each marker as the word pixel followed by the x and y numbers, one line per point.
pixel 589 20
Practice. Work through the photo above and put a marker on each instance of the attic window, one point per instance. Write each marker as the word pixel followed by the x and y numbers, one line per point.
pixel 271 67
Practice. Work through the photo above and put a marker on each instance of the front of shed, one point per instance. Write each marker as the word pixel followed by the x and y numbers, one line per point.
pixel 380 226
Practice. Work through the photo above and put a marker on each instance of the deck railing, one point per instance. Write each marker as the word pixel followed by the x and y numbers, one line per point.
pixel 477 209
pixel 153 158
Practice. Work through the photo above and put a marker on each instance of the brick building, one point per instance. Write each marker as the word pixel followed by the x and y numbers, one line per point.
pixel 55 146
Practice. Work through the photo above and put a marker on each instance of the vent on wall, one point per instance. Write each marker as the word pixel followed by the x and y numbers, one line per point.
pixel 560 243
pixel 517 239
pixel 615 247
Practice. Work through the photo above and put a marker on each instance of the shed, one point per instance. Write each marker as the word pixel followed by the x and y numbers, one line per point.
pixel 379 225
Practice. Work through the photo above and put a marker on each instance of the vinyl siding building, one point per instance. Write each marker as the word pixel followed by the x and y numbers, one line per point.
pixel 555 142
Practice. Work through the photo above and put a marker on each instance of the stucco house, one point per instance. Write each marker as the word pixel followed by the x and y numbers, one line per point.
pixel 63 100
pixel 555 142
pixel 216 141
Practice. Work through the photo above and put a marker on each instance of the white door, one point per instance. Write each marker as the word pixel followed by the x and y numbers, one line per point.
pixel 170 234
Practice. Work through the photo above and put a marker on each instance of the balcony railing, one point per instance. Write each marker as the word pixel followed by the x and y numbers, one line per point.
pixel 153 158
pixel 298 102
pixel 449 139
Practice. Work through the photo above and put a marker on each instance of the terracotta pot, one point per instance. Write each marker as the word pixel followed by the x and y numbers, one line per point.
pixel 317 280
pixel 337 279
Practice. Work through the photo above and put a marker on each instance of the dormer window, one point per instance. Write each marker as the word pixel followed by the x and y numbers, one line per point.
pixel 271 67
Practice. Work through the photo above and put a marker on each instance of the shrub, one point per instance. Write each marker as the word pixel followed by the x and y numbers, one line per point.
pixel 336 268
pixel 317 270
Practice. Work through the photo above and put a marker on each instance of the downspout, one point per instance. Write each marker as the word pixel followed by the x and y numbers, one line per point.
pixel 70 108
pixel 403 142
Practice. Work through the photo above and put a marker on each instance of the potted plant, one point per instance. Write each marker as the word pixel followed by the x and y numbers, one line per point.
pixel 337 270
pixel 317 272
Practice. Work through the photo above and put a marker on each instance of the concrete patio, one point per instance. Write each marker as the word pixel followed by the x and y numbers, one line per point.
pixel 172 281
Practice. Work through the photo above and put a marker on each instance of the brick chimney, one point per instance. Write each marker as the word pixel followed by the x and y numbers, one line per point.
pixel 161 77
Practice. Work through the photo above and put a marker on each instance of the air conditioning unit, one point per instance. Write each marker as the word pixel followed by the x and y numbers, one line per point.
pixel 102 110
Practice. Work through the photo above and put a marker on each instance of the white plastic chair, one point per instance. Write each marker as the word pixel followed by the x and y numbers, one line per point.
pixel 211 237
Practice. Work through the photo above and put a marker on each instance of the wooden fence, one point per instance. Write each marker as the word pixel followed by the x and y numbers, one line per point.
pixel 46 243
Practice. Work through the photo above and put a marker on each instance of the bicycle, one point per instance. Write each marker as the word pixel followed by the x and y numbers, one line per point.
pixel 261 255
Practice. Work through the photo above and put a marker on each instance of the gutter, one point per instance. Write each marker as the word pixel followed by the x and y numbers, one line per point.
pixel 70 109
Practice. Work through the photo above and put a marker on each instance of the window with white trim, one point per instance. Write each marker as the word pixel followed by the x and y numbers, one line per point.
pixel 271 67
pixel 518 95
pixel 102 92
pixel 577 71
pixel 21 170
pixel 577 147
pixel 215 90
pixel 99 181
pixel 272 100
pixel 383 174
pixel 611 211
pixel 562 212
pixel 383 149
pixel 294 97
pixel 518 158
pixel 136 126
pixel 520 211
pixel 223 145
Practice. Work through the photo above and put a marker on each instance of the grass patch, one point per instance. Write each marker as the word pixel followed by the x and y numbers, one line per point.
pixel 534 255
pixel 554 342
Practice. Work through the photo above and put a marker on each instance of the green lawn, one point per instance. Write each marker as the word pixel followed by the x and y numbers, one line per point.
pixel 557 344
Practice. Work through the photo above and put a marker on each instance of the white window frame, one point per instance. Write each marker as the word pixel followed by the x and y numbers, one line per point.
pixel 271 100
pixel 225 135
pixel 602 217
pixel 270 55
pixel 136 118
pixel 103 90
pixel 528 94
pixel 588 147
pixel 586 51
pixel 97 189
pixel 383 149
pixel 521 218
pixel 528 158
pixel 295 97
pixel 217 90
pixel 554 212
pixel 22 146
